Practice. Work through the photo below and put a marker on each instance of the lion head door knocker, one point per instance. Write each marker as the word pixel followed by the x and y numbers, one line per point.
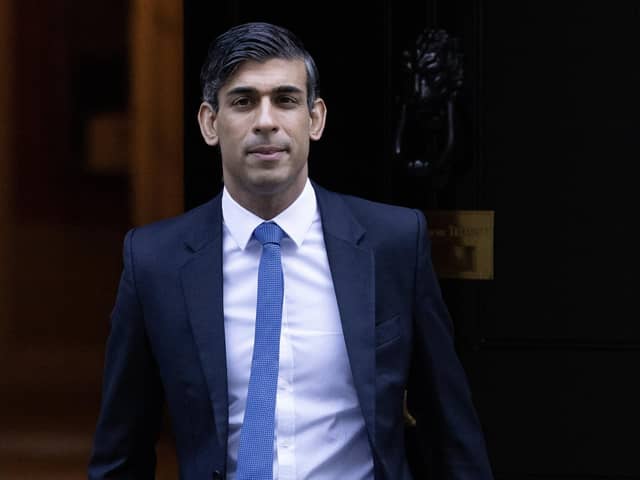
pixel 432 77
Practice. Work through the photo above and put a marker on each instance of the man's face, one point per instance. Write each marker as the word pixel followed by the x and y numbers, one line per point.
pixel 263 126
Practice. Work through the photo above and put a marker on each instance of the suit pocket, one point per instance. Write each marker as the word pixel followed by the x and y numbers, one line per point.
pixel 388 331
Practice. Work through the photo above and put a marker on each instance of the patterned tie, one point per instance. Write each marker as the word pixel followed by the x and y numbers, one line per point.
pixel 255 453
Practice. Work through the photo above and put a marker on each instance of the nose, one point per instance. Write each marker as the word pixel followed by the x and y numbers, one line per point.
pixel 265 119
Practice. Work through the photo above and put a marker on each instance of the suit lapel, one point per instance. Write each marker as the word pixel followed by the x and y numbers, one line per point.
pixel 353 274
pixel 202 284
pixel 352 270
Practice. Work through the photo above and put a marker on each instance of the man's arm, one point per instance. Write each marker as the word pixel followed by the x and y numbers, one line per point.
pixel 130 414
pixel 439 395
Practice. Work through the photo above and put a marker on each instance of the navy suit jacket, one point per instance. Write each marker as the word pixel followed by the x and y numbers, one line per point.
pixel 167 345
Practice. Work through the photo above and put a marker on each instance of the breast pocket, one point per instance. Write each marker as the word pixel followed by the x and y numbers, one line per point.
pixel 388 331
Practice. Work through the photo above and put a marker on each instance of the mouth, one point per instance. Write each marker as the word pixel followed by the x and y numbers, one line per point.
pixel 267 152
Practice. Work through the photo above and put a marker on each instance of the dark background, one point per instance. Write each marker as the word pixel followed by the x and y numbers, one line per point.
pixel 548 137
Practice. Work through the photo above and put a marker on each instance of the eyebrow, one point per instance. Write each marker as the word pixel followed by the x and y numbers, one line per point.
pixel 252 91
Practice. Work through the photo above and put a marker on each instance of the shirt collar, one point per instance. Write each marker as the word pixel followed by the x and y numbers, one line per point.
pixel 295 220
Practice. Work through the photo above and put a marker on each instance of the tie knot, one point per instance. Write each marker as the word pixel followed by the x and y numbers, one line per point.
pixel 268 232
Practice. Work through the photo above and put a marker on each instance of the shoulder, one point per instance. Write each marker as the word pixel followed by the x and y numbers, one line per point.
pixel 170 236
pixel 381 213
pixel 373 216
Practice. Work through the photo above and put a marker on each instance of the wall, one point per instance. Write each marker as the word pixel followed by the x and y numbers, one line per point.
pixel 67 197
pixel 6 42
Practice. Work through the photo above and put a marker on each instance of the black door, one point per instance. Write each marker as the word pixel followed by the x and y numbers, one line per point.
pixel 547 133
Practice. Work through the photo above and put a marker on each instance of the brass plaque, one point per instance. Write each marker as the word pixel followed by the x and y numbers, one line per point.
pixel 462 243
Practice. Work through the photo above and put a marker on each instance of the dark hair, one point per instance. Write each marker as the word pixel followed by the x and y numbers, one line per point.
pixel 253 41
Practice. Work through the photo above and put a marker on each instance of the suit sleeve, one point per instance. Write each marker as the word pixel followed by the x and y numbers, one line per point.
pixel 439 396
pixel 130 413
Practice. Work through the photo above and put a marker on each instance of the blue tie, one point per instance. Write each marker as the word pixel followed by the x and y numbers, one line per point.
pixel 255 453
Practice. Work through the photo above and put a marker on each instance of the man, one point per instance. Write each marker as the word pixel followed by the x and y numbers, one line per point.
pixel 280 322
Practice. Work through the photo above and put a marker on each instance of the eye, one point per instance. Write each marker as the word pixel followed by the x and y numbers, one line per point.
pixel 241 102
pixel 287 100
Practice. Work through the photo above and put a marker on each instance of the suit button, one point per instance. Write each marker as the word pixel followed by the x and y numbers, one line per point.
pixel 217 475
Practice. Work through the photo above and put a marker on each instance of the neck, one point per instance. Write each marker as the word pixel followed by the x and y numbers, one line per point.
pixel 267 205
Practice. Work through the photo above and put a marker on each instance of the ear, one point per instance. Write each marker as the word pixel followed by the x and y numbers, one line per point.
pixel 207 121
pixel 318 116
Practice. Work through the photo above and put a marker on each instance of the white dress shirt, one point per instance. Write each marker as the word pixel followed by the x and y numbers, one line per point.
pixel 319 428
